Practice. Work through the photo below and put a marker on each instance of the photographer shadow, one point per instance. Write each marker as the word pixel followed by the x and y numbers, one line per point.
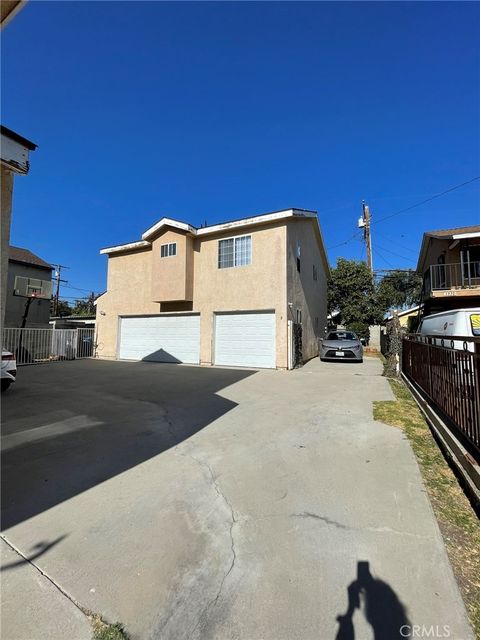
pixel 382 608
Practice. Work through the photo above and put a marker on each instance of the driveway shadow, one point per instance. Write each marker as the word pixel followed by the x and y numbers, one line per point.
pixel 72 425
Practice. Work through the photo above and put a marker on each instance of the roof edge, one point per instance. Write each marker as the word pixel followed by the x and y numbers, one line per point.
pixel 130 246
pixel 17 138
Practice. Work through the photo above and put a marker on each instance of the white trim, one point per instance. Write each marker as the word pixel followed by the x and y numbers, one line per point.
pixel 168 222
pixel 460 236
pixel 246 222
pixel 216 228
pixel 126 247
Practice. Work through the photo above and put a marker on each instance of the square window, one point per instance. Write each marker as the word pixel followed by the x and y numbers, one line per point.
pixel 235 252
pixel 167 250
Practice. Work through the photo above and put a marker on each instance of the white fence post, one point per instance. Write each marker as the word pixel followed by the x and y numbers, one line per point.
pixel 39 346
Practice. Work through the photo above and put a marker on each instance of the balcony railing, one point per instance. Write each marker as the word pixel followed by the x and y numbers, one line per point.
pixel 459 275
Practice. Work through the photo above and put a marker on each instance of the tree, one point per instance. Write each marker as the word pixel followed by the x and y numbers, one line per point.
pixel 85 307
pixel 399 289
pixel 63 310
pixel 352 292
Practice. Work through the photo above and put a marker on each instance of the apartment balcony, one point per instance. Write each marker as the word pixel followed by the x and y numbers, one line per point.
pixel 460 279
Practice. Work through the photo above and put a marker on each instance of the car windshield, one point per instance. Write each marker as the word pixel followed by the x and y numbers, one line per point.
pixel 341 335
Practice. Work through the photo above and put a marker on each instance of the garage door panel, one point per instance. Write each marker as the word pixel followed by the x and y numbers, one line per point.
pixel 245 340
pixel 160 339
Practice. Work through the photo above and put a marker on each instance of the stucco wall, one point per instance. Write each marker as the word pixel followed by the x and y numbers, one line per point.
pixel 6 212
pixel 129 292
pixel 303 292
pixel 172 275
pixel 258 286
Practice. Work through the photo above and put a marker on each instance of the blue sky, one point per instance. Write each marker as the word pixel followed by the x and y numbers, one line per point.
pixel 211 111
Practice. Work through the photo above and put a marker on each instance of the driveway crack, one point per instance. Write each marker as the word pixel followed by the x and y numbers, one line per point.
pixel 233 522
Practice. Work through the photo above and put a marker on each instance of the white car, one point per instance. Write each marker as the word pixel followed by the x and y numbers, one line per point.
pixel 9 369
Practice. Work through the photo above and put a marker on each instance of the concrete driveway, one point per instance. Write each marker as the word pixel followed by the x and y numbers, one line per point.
pixel 188 502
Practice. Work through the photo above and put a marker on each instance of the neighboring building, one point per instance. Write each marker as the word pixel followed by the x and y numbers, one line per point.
pixel 27 275
pixel 14 160
pixel 407 317
pixel 449 263
pixel 73 322
pixel 226 294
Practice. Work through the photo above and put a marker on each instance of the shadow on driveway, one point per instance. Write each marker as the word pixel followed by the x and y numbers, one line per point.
pixel 69 426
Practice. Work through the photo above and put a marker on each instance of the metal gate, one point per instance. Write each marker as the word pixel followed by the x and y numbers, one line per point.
pixel 39 346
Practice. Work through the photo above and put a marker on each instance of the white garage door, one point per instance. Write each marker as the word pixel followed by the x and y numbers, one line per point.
pixel 160 338
pixel 245 340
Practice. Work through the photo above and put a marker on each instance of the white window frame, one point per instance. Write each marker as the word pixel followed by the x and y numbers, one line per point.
pixel 234 238
pixel 171 250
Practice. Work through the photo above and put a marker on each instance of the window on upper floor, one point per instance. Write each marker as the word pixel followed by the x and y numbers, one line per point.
pixel 168 250
pixel 235 252
pixel 314 272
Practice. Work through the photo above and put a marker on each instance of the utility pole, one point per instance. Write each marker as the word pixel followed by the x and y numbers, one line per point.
pixel 58 272
pixel 364 223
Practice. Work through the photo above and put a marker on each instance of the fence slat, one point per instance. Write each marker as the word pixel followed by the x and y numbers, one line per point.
pixel 449 377
pixel 40 346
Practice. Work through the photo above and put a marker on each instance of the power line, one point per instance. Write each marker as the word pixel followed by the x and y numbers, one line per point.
pixel 354 237
pixel 376 251
pixel 69 286
pixel 393 252
pixel 418 204
pixel 398 246
pixel 413 206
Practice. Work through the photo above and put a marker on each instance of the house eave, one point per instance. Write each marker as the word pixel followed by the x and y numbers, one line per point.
pixel 130 246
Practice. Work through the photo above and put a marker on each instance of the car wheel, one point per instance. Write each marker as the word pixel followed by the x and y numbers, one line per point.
pixel 6 384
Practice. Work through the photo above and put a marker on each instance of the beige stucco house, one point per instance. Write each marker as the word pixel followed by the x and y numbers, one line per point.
pixel 449 263
pixel 232 294
pixel 14 160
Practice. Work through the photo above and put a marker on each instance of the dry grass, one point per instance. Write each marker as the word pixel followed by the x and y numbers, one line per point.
pixel 104 631
pixel 458 522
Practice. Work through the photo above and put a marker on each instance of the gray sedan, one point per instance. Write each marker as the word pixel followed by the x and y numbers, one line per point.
pixel 341 345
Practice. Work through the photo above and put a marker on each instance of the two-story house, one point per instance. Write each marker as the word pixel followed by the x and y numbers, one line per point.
pixel 230 294
pixel 449 263
pixel 28 275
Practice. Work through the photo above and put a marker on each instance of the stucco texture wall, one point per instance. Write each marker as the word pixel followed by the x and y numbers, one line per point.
pixel 129 292
pixel 6 212
pixel 303 292
pixel 258 286
pixel 172 275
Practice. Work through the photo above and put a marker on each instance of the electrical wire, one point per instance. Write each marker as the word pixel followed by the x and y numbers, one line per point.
pixel 393 252
pixel 418 204
pixel 379 253
pixel 354 237
pixel 413 206
pixel 69 286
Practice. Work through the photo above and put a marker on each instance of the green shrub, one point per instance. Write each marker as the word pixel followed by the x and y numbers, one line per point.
pixel 362 330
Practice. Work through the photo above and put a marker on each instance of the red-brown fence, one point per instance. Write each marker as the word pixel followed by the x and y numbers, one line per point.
pixel 448 372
